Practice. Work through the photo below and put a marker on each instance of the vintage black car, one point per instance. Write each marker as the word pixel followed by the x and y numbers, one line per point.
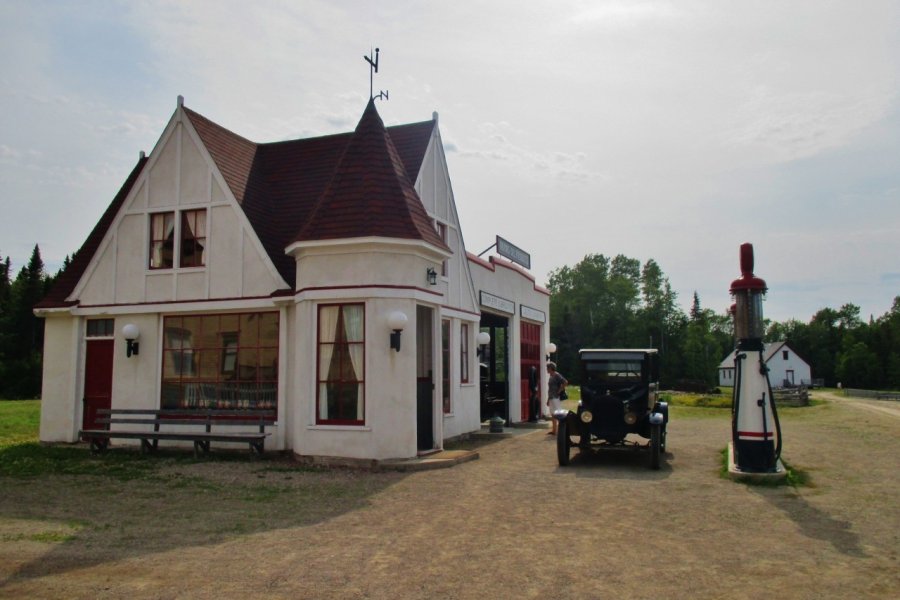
pixel 619 396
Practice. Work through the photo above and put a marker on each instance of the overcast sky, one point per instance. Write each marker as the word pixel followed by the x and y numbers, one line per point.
pixel 665 130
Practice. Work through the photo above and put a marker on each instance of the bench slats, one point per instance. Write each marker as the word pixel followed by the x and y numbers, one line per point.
pixel 156 418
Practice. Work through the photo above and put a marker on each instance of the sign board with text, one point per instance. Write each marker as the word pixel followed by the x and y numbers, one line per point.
pixel 513 253
pixel 498 303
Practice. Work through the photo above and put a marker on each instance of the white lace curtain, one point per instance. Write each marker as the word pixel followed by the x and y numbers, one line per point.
pixel 353 330
pixel 328 318
pixel 354 335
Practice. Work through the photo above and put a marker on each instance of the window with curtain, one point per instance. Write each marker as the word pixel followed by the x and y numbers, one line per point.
pixel 162 240
pixel 227 361
pixel 191 233
pixel 341 365
pixel 193 238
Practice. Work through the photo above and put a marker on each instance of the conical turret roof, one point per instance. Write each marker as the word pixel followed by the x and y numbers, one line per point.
pixel 370 193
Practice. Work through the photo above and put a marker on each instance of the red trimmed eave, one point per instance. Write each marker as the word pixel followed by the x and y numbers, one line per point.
pixel 69 278
pixel 494 262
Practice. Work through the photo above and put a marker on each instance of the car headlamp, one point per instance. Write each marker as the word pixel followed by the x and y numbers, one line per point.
pixel 631 418
pixel 586 416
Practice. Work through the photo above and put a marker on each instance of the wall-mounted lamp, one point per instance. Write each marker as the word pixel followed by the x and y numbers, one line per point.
pixel 551 349
pixel 481 340
pixel 431 275
pixel 396 321
pixel 131 333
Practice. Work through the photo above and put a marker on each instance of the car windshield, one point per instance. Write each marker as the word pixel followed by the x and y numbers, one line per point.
pixel 613 371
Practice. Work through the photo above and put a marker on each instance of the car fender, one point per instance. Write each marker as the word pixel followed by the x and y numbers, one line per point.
pixel 663 408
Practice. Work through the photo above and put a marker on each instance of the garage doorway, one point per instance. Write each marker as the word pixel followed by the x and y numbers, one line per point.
pixel 494 368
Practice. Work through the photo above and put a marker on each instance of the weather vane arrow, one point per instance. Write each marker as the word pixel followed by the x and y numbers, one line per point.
pixel 373 68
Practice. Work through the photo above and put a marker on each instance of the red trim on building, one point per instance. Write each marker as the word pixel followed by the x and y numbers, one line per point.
pixel 493 262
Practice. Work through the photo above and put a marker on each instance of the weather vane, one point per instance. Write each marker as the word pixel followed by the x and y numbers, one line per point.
pixel 373 68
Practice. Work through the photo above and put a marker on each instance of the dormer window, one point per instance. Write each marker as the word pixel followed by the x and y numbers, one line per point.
pixel 191 234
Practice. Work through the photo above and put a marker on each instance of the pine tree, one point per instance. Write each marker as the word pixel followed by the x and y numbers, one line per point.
pixel 24 332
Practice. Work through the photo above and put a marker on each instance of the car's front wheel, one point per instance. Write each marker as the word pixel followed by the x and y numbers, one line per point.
pixel 562 443
pixel 655 445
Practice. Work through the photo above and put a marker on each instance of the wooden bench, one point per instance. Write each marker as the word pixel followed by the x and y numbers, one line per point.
pixel 176 424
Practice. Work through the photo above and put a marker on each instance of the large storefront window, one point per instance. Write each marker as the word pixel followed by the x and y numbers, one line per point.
pixel 341 368
pixel 220 361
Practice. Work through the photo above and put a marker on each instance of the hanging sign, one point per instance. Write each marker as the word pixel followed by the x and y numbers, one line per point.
pixel 513 253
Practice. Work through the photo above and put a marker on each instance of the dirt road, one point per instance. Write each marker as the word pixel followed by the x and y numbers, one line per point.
pixel 515 525
pixel 885 407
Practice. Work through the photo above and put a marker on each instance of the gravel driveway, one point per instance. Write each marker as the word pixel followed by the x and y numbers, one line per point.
pixel 515 525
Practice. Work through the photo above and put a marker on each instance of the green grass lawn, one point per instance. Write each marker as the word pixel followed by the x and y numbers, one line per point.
pixel 722 400
pixel 19 421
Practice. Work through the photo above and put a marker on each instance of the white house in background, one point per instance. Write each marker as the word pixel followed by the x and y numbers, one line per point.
pixel 786 367
pixel 272 275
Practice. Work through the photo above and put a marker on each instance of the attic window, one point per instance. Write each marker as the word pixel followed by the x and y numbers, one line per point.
pixel 191 235
pixel 193 238
pixel 784 354
pixel 162 240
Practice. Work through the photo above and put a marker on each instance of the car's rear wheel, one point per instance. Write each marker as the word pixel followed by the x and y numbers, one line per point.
pixel 655 445
pixel 562 443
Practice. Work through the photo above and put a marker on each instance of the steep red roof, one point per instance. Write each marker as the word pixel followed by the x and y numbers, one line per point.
pixel 68 279
pixel 370 193
pixel 279 185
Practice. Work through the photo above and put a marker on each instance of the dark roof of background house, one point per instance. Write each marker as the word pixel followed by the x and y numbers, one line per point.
pixel 279 185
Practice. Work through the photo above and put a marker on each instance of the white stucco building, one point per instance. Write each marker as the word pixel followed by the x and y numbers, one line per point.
pixel 786 367
pixel 265 276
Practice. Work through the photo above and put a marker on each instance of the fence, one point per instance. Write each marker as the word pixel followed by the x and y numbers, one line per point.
pixel 797 396
pixel 878 395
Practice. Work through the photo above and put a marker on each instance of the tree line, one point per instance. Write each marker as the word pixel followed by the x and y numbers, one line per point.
pixel 842 348
pixel 22 333
pixel 618 302
pixel 601 302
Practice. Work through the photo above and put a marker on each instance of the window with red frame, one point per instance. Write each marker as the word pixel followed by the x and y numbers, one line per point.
pixel 341 364
pixel 464 353
pixel 193 238
pixel 220 361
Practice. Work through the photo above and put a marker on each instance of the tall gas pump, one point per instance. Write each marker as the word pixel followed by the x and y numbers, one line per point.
pixel 755 430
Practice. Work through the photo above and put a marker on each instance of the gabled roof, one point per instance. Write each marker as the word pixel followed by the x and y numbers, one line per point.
pixel 280 185
pixel 770 349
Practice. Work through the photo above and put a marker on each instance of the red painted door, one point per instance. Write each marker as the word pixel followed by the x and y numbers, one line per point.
pixel 98 366
pixel 530 356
